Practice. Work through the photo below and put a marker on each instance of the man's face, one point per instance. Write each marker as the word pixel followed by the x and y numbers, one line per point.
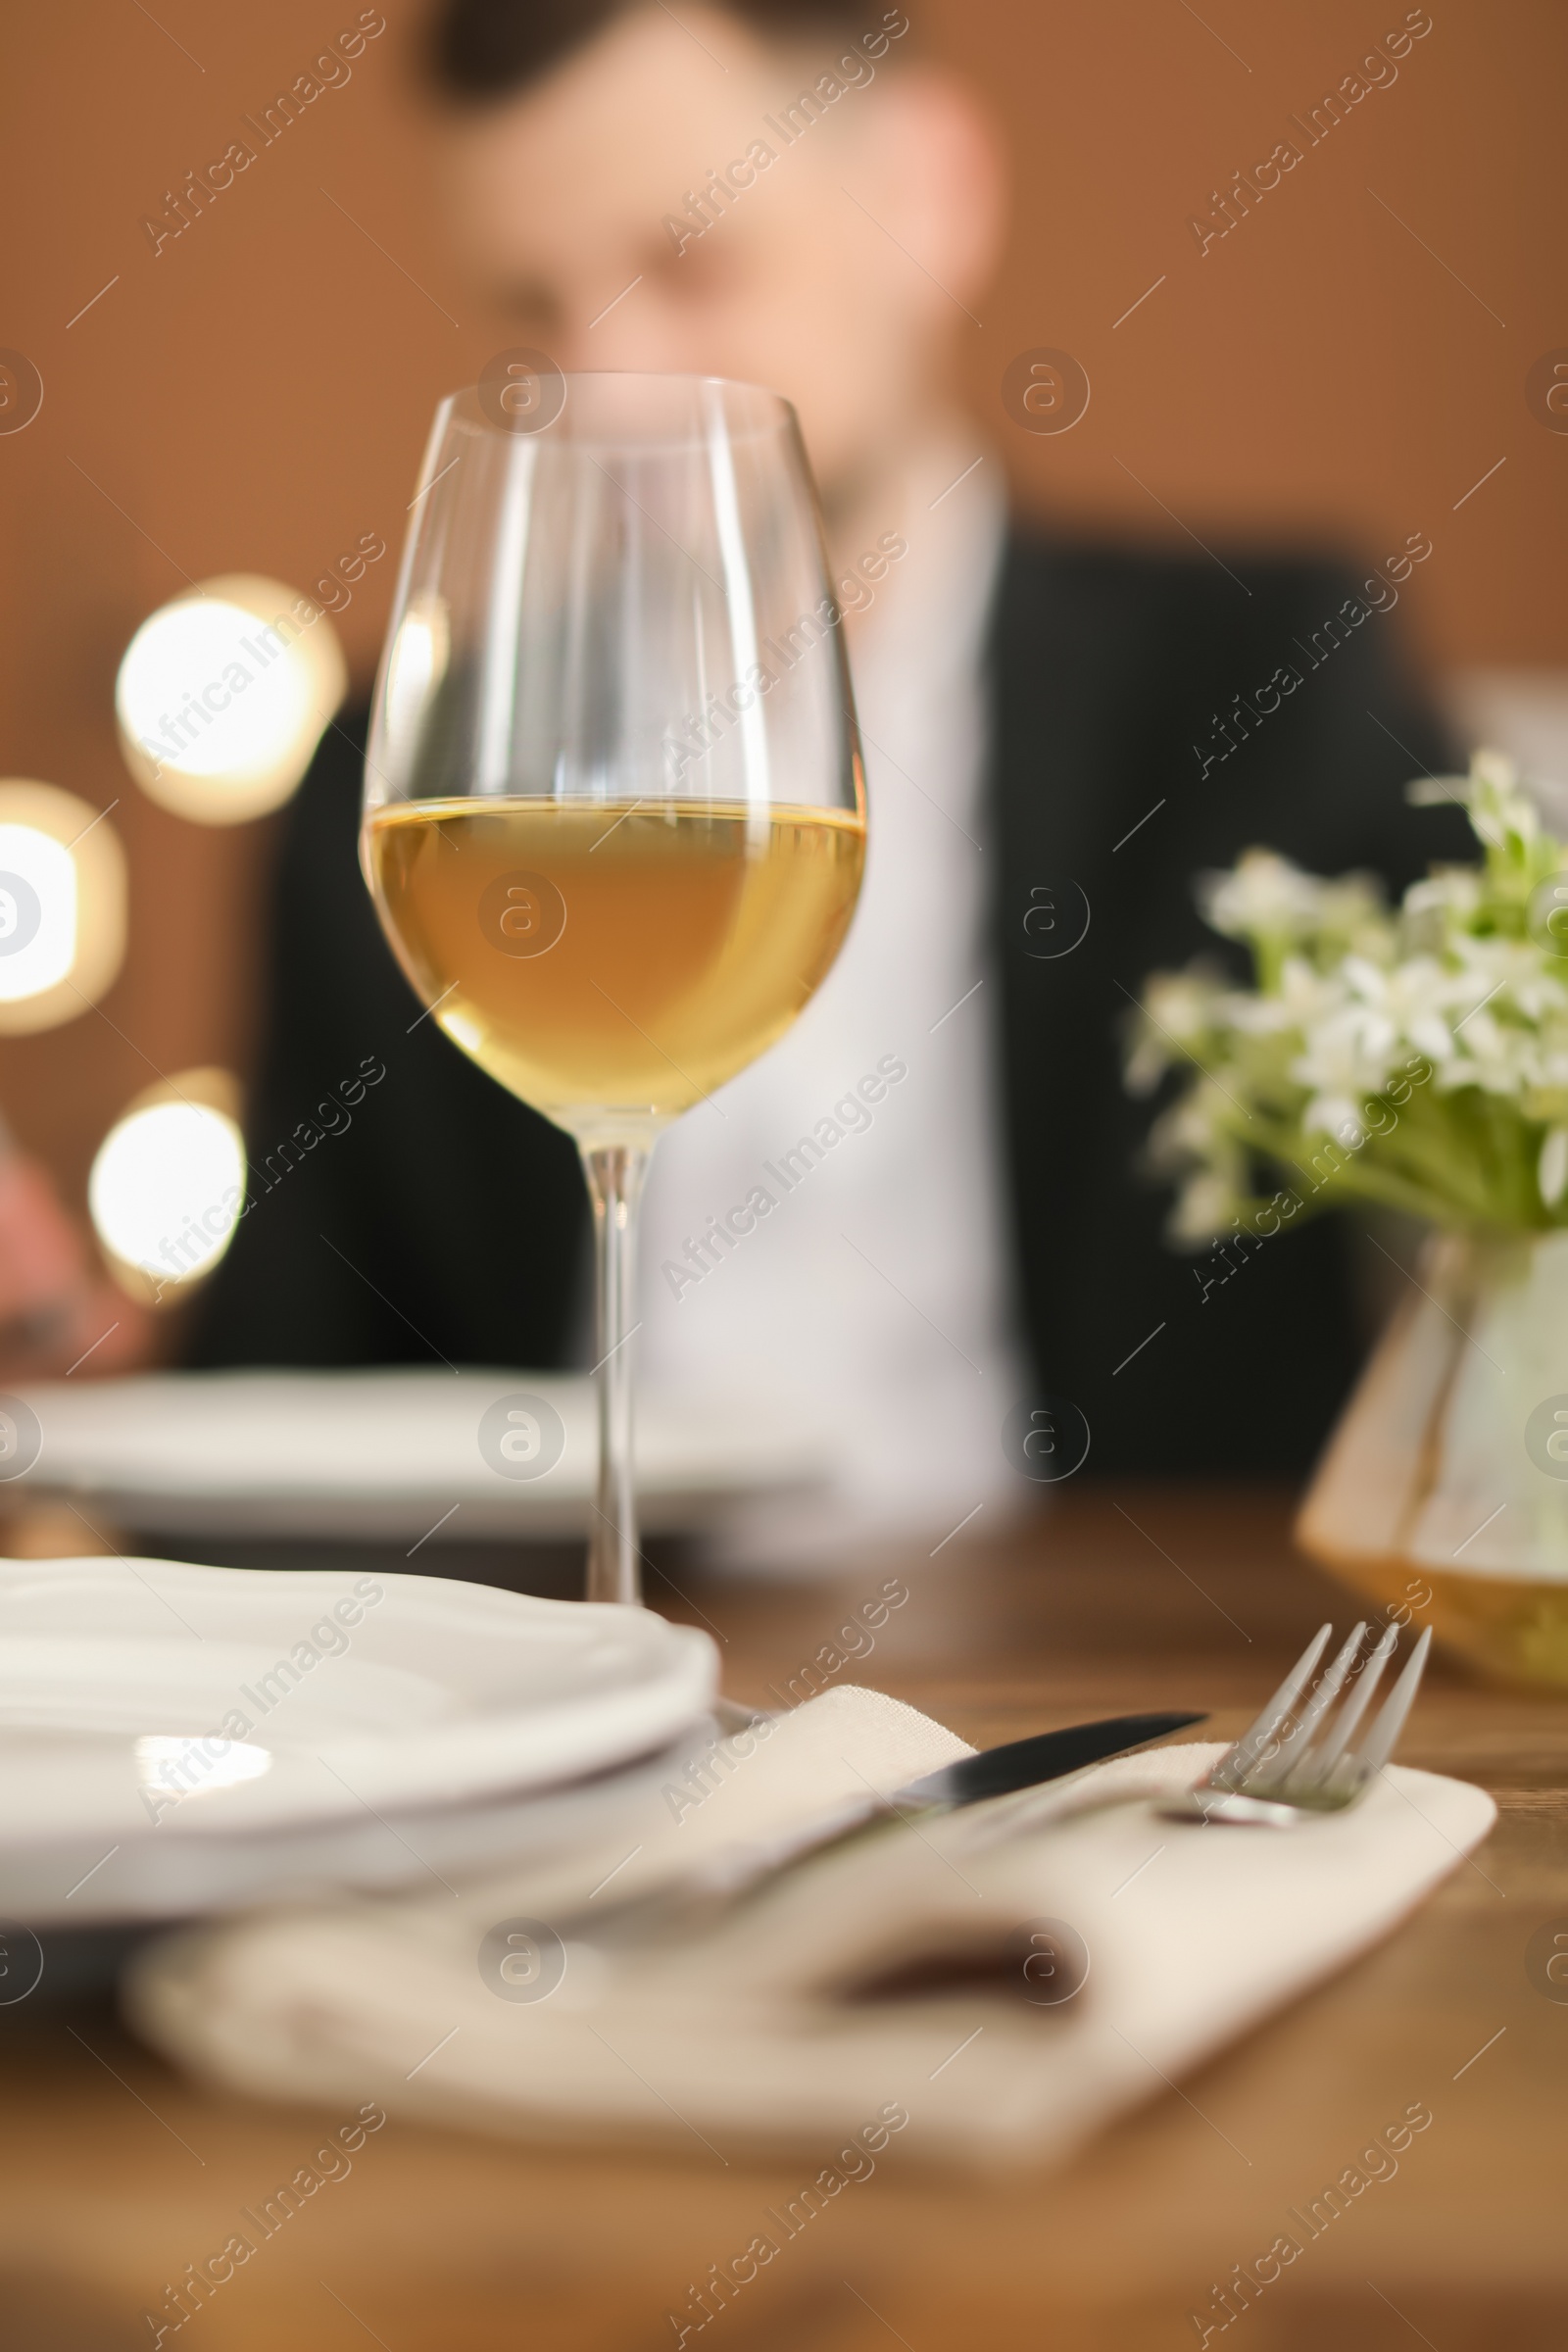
pixel 562 196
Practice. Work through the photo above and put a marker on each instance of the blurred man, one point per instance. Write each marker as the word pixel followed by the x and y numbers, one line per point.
pixel 1058 735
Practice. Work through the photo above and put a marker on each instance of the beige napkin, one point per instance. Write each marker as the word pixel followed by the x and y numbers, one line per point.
pixel 880 1981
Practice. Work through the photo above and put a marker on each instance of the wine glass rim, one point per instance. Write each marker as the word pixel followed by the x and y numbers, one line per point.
pixel 649 375
pixel 466 406
pixel 662 375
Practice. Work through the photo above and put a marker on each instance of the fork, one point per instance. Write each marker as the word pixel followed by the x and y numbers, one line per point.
pixel 1300 1758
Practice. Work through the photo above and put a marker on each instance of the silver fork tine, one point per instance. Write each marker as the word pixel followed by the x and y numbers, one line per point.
pixel 1378 1746
pixel 1243 1758
pixel 1289 1691
pixel 1327 1690
pixel 1355 1706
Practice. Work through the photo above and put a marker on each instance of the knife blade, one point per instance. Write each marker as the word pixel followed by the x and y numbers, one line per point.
pixel 1017 1764
pixel 1047 1756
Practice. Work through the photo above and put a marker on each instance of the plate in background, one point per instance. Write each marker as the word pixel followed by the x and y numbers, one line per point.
pixel 384 1454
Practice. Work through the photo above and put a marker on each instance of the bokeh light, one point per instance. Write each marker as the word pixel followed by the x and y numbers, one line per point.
pixel 37 912
pixel 62 906
pixel 168 1185
pixel 224 695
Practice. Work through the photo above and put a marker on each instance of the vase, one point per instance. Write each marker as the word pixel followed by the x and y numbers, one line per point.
pixel 1443 1492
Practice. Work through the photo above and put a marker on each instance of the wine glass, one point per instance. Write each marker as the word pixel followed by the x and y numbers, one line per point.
pixel 614 814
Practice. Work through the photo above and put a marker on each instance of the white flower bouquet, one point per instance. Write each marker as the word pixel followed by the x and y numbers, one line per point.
pixel 1416 1057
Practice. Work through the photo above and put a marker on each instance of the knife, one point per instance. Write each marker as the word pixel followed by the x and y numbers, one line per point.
pixel 992 1772
pixel 1025 1763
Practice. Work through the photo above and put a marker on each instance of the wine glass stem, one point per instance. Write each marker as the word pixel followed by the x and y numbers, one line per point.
pixel 615 1173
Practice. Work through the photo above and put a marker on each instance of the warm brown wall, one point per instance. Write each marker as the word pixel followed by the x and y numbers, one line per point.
pixel 1318 370
pixel 256 396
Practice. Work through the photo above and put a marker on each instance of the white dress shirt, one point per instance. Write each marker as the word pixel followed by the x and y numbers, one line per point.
pixel 874 1297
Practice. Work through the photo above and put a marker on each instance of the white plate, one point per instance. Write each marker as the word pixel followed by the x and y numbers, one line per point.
pixel 72 1883
pixel 145 1700
pixel 387 1455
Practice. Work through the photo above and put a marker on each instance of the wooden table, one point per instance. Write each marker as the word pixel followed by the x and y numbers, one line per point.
pixel 117 2174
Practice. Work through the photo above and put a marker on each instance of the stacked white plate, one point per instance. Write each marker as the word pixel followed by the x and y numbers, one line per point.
pixel 178 1740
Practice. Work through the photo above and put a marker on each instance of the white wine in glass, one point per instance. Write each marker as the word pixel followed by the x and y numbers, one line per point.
pixel 615 819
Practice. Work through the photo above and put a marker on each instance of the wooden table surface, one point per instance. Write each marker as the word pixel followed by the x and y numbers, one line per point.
pixel 117 2174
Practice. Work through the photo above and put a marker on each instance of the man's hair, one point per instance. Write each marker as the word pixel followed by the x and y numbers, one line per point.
pixel 485 49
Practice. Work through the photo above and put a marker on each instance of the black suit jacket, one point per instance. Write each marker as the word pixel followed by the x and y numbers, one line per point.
pixel 423 1214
